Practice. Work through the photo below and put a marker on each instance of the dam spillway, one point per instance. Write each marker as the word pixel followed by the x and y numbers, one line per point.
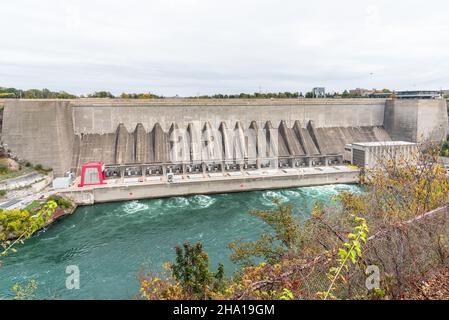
pixel 64 135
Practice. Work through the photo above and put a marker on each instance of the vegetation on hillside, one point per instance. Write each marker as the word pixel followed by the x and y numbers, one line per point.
pixel 445 149
pixel 9 168
pixel 256 95
pixel 13 93
pixel 148 95
pixel 19 224
pixel 389 231
pixel 284 95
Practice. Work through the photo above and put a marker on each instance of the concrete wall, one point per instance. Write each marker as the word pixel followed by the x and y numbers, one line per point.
pixel 105 118
pixel 433 120
pixel 145 191
pixel 40 132
pixel 416 120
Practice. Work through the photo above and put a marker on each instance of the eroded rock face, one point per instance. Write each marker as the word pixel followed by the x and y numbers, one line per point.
pixel 7 159
pixel 12 165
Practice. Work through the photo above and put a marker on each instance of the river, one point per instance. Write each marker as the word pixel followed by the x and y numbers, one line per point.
pixel 112 243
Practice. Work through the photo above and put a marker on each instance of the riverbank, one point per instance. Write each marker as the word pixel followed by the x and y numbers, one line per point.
pixel 13 223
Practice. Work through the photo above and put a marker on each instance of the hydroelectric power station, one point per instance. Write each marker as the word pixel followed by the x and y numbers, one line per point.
pixel 170 147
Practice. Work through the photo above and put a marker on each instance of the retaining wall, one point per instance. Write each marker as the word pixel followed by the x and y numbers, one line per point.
pixel 100 194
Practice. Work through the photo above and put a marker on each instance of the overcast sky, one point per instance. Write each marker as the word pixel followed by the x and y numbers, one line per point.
pixel 188 47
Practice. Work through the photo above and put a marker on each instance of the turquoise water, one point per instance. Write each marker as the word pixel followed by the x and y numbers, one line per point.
pixel 112 243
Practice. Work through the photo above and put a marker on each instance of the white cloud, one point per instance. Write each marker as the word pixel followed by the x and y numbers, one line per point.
pixel 207 46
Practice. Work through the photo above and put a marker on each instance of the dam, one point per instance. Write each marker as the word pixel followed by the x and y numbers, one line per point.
pixel 207 145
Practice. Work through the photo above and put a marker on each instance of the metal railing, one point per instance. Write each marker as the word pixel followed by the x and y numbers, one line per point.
pixel 219 165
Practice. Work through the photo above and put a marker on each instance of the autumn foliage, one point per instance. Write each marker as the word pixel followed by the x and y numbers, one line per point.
pixel 399 225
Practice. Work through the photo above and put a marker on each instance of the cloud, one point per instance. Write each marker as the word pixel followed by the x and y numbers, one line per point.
pixel 206 46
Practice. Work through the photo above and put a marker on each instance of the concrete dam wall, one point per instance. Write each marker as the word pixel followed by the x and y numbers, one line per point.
pixel 208 144
pixel 66 134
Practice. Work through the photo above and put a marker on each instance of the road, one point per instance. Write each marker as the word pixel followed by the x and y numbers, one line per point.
pixel 24 201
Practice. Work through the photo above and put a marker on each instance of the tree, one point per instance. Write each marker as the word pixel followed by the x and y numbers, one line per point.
pixel 310 95
pixel 190 277
pixel 445 149
pixel 34 94
pixel 7 95
pixel 192 269
pixel 101 94
pixel 403 187
pixel 271 246
pixel 346 94
pixel 21 225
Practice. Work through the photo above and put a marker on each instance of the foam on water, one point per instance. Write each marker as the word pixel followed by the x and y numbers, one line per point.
pixel 133 207
pixel 291 194
pixel 202 201
pixel 269 196
pixel 177 202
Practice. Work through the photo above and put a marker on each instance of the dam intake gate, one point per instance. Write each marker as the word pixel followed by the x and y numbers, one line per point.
pixel 216 151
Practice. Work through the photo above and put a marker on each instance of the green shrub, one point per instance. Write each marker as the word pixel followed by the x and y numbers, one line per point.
pixel 33 205
pixel 2 193
pixel 445 149
pixel 20 223
pixel 4 169
pixel 40 168
pixel 60 201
